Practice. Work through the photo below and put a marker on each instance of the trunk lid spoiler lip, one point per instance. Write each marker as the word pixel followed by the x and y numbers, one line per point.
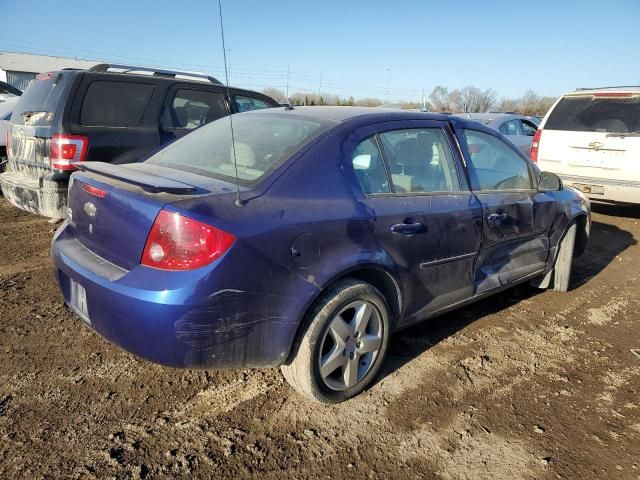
pixel 147 181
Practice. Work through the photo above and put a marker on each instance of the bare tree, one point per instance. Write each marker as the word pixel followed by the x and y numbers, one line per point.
pixel 440 100
pixel 486 100
pixel 277 95
pixel 369 102
pixel 455 101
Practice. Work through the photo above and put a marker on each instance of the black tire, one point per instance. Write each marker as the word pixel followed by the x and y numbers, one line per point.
pixel 564 260
pixel 302 371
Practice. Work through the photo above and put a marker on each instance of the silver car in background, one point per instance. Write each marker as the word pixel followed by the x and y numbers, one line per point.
pixel 520 129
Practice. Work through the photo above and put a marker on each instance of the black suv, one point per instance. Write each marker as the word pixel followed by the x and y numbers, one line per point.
pixel 109 113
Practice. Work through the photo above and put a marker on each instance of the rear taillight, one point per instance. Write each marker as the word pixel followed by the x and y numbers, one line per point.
pixel 534 146
pixel 8 145
pixel 66 149
pixel 176 242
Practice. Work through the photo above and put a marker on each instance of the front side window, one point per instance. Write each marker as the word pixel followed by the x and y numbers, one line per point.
pixel 420 160
pixel 115 104
pixel 496 165
pixel 191 109
pixel 369 167
pixel 529 128
pixel 244 104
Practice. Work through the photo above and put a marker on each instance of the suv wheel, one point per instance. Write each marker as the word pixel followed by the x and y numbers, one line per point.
pixel 343 346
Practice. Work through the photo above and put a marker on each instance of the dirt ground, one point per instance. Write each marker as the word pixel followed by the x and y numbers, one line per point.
pixel 527 384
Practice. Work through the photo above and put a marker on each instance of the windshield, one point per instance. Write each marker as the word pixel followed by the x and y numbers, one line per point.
pixel 591 113
pixel 39 102
pixel 262 142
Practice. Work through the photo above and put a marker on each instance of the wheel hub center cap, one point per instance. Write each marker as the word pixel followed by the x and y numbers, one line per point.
pixel 350 347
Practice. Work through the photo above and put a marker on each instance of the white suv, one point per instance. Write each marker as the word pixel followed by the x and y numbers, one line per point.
pixel 591 139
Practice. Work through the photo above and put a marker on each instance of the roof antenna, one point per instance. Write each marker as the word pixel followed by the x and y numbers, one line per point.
pixel 238 202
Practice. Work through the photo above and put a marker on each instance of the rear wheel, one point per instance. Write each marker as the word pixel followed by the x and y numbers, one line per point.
pixel 343 345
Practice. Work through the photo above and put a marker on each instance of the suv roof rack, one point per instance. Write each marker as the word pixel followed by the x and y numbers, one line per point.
pixel 606 88
pixel 158 72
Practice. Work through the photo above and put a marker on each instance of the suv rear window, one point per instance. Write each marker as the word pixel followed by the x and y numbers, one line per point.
pixel 39 102
pixel 589 113
pixel 115 104
pixel 262 142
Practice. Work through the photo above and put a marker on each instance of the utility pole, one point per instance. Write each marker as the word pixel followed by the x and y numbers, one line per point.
pixel 424 100
pixel 288 84
pixel 388 76
pixel 320 85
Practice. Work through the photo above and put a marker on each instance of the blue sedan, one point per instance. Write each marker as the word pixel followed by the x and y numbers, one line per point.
pixel 304 237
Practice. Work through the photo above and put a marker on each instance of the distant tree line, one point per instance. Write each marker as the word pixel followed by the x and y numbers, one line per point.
pixel 469 99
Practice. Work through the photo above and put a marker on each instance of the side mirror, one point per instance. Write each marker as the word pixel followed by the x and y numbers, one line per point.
pixel 549 182
pixel 362 162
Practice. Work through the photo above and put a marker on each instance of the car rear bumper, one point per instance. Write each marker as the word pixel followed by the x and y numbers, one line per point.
pixel 45 198
pixel 196 322
pixel 608 190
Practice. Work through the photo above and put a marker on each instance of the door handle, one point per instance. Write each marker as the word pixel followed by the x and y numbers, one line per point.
pixel 408 228
pixel 497 217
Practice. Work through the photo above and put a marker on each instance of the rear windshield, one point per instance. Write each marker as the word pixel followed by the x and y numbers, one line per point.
pixel 588 113
pixel 262 142
pixel 39 102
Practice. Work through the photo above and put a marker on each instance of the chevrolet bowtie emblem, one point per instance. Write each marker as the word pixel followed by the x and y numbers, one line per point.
pixel 90 209
pixel 596 146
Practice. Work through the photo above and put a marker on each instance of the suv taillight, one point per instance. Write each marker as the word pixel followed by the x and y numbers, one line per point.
pixel 8 145
pixel 534 146
pixel 176 242
pixel 66 149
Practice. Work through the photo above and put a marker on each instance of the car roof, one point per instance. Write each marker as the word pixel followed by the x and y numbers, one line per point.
pixel 490 118
pixel 621 89
pixel 343 114
pixel 173 80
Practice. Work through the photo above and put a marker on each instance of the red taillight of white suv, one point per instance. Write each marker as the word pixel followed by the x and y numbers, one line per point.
pixel 534 146
pixel 176 242
pixel 66 149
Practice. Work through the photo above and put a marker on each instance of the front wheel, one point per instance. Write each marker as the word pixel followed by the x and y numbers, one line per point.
pixel 343 345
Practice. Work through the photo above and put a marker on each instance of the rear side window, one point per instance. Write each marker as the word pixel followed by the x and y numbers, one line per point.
pixel 511 128
pixel 191 109
pixel 115 104
pixel 369 167
pixel 244 104
pixel 420 160
pixel 496 166
pixel 590 113
pixel 39 102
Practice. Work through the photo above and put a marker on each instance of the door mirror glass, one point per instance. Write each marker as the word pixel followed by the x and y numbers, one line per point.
pixel 362 162
pixel 549 182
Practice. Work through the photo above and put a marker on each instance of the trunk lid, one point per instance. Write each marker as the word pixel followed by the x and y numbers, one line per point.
pixel 112 207
pixel 593 135
pixel 33 122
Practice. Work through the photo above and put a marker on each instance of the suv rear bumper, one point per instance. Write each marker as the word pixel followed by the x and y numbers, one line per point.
pixel 608 190
pixel 48 199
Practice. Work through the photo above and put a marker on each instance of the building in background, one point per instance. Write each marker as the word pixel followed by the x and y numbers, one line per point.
pixel 18 69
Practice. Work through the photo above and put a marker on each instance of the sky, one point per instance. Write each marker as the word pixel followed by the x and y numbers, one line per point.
pixel 356 47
